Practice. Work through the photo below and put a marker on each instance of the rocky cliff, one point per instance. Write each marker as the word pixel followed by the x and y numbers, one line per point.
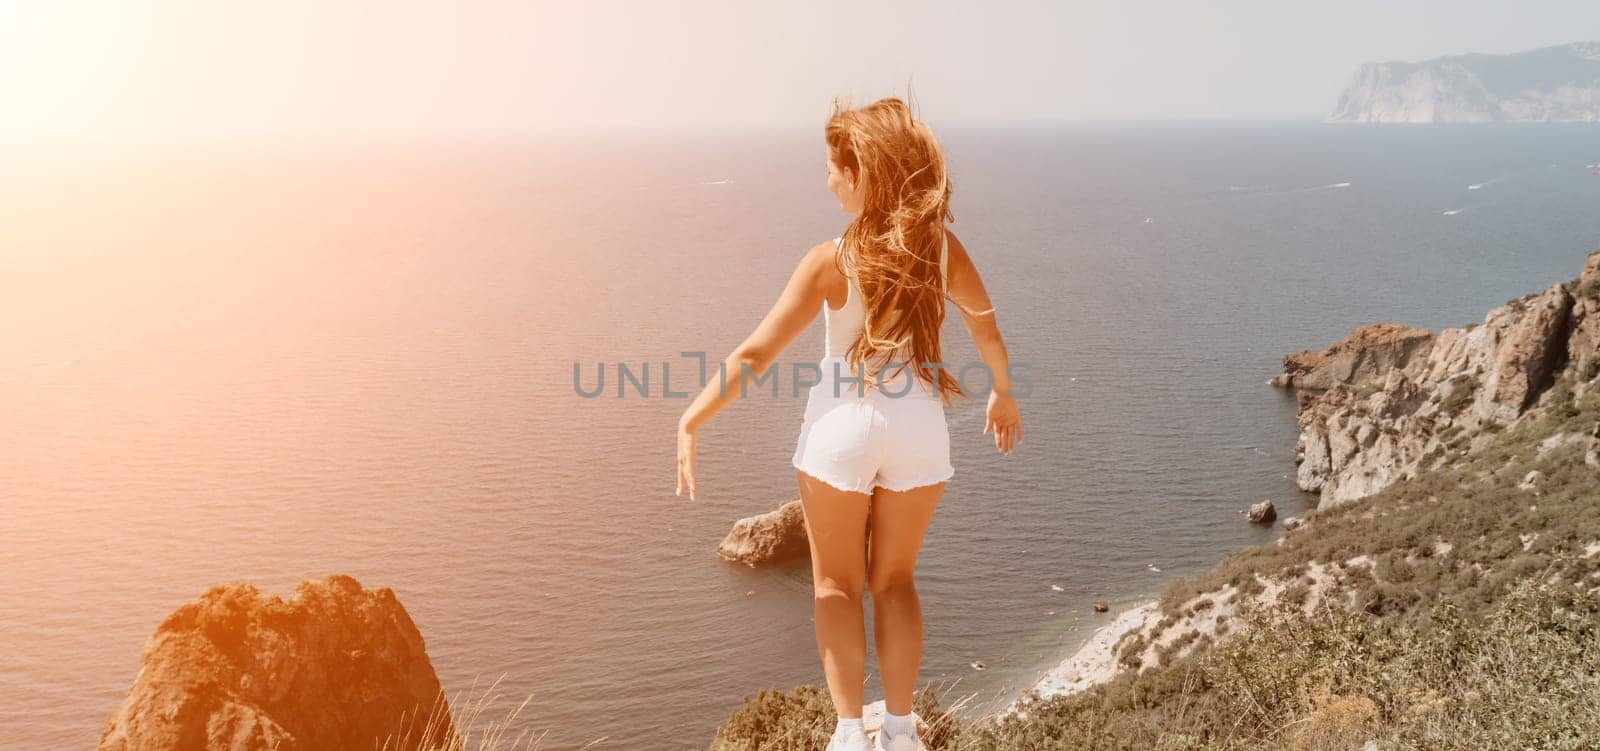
pixel 1390 401
pixel 336 667
pixel 1552 84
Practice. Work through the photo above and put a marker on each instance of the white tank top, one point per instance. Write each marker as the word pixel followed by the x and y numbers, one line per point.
pixel 844 325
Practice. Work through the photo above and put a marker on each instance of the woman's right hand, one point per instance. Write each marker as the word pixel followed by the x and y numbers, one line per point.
pixel 1002 418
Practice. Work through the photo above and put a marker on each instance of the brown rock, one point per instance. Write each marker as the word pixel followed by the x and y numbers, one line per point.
pixel 1590 275
pixel 1448 399
pixel 1295 367
pixel 1365 355
pixel 1262 513
pixel 1527 359
pixel 1583 345
pixel 335 667
pixel 773 537
pixel 1101 607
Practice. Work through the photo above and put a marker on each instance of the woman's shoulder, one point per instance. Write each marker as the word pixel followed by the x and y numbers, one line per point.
pixel 821 254
pixel 958 264
pixel 821 264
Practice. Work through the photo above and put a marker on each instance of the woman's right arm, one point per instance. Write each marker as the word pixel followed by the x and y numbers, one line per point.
pixel 965 287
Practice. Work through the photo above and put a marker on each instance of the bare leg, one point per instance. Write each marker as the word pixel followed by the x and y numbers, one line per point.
pixel 836 527
pixel 899 519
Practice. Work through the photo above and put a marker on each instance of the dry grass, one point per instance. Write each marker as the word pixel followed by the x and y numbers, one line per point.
pixel 474 729
pixel 1474 625
pixel 1521 676
pixel 804 717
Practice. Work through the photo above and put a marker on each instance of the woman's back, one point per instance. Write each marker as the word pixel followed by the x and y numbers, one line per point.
pixel 843 325
pixel 857 436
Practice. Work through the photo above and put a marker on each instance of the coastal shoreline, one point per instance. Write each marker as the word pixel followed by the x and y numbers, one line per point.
pixel 1094 662
pixel 1437 399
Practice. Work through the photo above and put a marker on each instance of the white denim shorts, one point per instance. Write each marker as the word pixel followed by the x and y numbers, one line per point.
pixel 894 438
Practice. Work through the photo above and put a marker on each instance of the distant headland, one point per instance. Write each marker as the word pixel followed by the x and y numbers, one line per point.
pixel 1559 84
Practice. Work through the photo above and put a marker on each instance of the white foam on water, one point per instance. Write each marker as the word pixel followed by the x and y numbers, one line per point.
pixel 1329 186
pixel 1453 212
pixel 679 186
pixel 1291 191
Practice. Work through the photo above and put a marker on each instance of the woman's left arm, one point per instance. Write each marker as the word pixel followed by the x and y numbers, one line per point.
pixel 795 310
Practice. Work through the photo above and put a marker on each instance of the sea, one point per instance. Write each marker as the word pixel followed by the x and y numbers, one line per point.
pixel 277 361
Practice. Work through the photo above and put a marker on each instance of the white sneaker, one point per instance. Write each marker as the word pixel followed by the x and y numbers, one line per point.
pixel 907 742
pixel 856 742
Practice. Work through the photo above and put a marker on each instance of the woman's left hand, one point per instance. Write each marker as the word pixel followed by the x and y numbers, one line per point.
pixel 686 441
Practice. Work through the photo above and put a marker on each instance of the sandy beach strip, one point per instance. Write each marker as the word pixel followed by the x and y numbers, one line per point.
pixel 1094 662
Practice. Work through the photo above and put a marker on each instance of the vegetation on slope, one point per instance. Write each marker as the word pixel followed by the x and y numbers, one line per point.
pixel 1460 611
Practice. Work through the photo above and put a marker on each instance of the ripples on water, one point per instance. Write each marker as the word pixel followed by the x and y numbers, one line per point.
pixel 266 367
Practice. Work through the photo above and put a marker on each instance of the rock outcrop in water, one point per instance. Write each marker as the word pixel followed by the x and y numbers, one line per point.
pixel 773 537
pixel 1388 401
pixel 1552 84
pixel 1262 513
pixel 1358 358
pixel 335 667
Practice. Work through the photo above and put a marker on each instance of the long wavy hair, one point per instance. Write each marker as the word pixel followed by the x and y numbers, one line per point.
pixel 892 246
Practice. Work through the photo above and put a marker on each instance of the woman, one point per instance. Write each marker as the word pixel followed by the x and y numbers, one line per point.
pixel 873 454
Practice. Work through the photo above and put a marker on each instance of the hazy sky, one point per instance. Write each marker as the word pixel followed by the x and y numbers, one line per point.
pixel 138 68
